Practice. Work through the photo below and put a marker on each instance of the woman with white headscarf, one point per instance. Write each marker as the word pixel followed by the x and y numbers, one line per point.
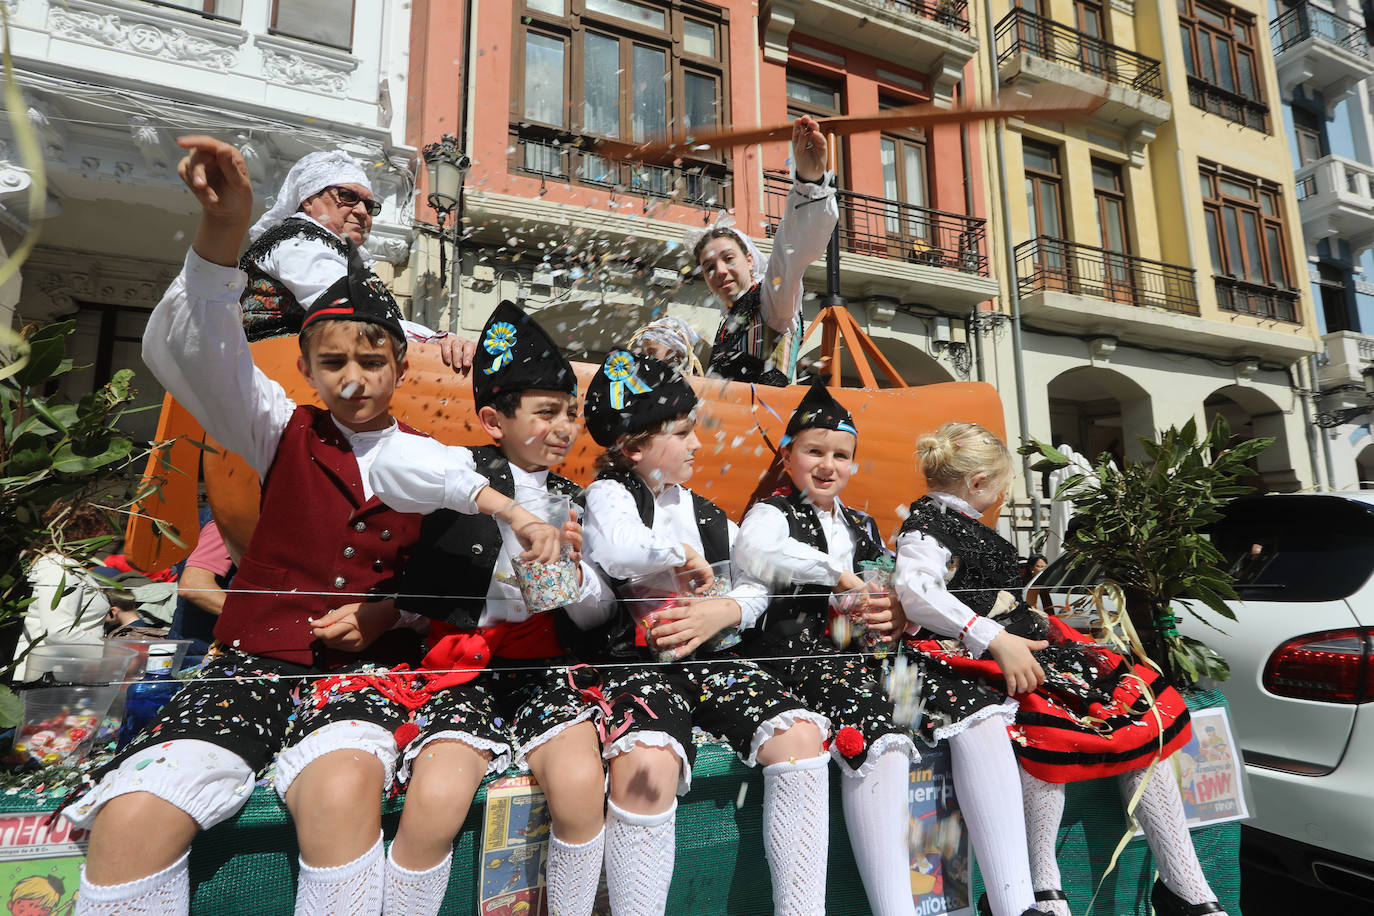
pixel 761 298
pixel 300 246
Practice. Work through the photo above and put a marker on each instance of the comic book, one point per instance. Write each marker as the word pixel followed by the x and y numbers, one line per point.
pixel 1209 772
pixel 40 863
pixel 939 843
pixel 515 842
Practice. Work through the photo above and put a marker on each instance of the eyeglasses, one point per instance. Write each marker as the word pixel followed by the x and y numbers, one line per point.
pixel 347 197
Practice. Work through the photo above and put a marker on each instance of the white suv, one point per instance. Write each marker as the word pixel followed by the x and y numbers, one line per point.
pixel 1301 653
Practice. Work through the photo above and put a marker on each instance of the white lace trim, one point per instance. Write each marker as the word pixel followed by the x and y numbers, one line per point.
pixel 885 743
pixel 780 723
pixel 626 742
pixel 345 735
pixel 500 751
pixel 522 754
pixel 1006 710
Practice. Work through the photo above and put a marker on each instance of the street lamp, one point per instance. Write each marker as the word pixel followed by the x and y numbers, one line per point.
pixel 445 166
pixel 1334 418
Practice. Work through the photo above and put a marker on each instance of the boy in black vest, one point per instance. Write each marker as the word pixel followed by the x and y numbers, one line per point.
pixel 802 545
pixel 641 520
pixel 531 702
pixel 307 623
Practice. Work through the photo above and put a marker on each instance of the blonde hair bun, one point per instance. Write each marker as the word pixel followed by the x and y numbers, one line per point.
pixel 955 452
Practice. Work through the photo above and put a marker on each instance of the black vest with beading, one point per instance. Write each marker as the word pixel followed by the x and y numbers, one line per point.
pixel 987 563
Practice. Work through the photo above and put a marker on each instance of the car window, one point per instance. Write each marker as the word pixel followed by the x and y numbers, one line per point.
pixel 1297 548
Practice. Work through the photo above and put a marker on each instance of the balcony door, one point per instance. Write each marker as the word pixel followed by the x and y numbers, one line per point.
pixel 905 220
pixel 1109 193
pixel 1093 26
pixel 1045 206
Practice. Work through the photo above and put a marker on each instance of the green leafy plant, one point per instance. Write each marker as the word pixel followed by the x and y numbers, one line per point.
pixel 1142 526
pixel 55 455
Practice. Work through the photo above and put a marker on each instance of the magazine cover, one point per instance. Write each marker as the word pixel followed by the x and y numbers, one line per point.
pixel 1208 770
pixel 939 843
pixel 515 842
pixel 40 864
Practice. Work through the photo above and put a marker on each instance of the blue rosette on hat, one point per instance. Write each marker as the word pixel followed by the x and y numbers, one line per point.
pixel 515 354
pixel 631 393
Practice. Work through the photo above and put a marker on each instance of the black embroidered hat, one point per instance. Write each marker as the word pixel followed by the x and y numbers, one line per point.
pixel 819 410
pixel 515 354
pixel 359 295
pixel 631 393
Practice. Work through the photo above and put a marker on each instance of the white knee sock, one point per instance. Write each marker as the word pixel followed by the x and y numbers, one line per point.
pixel 415 893
pixel 989 790
pixel 166 893
pixel 796 833
pixel 876 812
pixel 343 890
pixel 1044 804
pixel 640 849
pixel 572 875
pixel 1160 813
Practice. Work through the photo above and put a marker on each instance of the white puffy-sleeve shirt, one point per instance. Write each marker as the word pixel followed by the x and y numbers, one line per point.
pixel 618 541
pixel 766 553
pixel 430 476
pixel 808 218
pixel 920 576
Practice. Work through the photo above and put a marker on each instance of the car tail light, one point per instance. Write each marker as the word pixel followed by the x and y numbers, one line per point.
pixel 1336 666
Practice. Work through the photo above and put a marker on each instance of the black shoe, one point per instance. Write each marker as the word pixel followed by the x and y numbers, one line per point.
pixel 985 909
pixel 1167 903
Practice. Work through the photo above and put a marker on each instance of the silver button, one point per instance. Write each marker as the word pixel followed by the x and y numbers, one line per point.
pixel 359 526
pixel 349 552
pixel 476 548
pixel 340 582
pixel 386 535
pixel 378 566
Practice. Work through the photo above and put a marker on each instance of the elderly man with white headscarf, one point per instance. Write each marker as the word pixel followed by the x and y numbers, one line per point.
pixel 300 246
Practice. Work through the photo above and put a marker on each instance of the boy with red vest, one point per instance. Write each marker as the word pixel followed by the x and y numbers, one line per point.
pixel 505 679
pixel 307 621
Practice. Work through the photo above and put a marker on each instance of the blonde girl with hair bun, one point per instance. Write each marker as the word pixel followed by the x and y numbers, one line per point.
pixel 1081 711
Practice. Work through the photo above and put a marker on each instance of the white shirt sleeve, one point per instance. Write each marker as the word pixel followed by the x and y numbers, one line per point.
pixel 749 594
pixel 305 266
pixel 420 474
pixel 920 583
pixel 808 218
pixel 765 551
pixel 595 601
pixel 617 539
pixel 195 347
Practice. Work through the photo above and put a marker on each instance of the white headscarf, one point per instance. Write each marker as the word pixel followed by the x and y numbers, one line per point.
pixel 311 174
pixel 724 220
pixel 677 336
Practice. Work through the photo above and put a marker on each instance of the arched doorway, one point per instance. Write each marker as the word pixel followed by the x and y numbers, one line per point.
pixel 1095 410
pixel 1364 467
pixel 1252 415
pixel 914 365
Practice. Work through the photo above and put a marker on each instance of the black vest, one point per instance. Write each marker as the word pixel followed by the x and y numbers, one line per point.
pixel 987 563
pixel 449 573
pixel 743 343
pixel 811 603
pixel 712 525
pixel 269 307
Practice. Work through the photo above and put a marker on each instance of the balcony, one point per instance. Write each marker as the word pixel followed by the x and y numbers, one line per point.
pixel 1321 51
pixel 1348 355
pixel 1032 49
pixel 941 257
pixel 1255 299
pixel 1050 264
pixel 929 36
pixel 1336 200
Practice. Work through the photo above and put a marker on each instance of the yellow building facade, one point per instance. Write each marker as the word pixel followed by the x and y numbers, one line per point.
pixel 1153 250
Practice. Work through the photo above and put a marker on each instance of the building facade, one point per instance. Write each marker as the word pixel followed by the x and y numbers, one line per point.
pixel 1324 66
pixel 109 86
pixel 1153 251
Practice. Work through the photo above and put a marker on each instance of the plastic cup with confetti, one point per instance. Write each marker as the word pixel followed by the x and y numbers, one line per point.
pixel 544 586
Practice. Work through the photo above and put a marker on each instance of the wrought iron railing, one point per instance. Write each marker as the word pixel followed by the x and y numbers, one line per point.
pixel 563 158
pixel 1299 23
pixel 1254 299
pixel 1230 105
pixel 1022 32
pixel 1046 264
pixel 901 232
pixel 951 13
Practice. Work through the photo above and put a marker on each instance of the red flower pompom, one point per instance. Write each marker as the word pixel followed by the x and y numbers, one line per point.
pixel 849 740
pixel 406 733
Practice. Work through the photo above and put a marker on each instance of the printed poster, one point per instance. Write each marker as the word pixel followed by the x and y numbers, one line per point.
pixel 40 864
pixel 939 844
pixel 1208 770
pixel 515 842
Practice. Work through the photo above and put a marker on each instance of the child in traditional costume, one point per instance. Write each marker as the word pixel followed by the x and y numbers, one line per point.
pixel 642 521
pixel 1084 711
pixel 505 681
pixel 761 298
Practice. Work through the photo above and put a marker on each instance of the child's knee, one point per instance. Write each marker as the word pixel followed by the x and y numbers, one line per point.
pixel 645 775
pixel 799 742
pixel 336 781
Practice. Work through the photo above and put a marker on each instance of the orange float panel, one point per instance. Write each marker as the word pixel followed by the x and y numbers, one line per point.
pixel 739 426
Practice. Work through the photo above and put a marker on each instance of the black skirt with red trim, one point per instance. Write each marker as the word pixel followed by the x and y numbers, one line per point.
pixel 1092 716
